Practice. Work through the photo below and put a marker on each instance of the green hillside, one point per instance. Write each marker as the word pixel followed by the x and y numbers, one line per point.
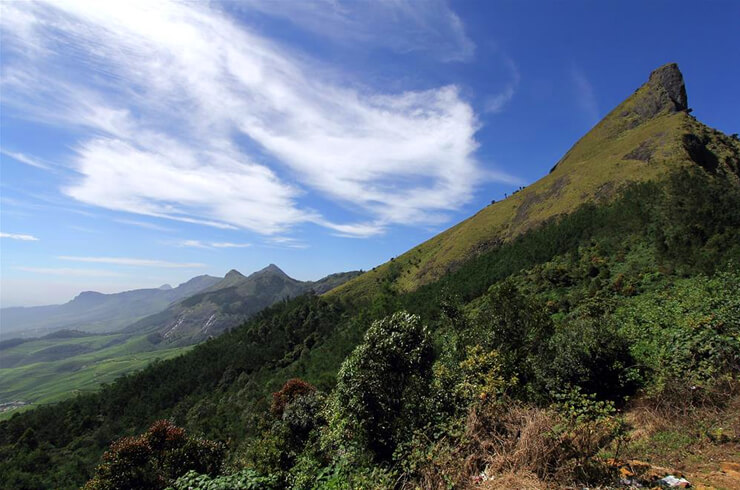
pixel 48 370
pixel 588 321
pixel 645 137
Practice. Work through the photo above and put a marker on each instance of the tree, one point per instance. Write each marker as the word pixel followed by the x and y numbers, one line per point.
pixel 382 385
pixel 155 459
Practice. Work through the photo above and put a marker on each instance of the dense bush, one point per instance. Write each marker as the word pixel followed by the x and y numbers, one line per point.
pixel 515 325
pixel 292 390
pixel 588 353
pixel 154 459
pixel 382 385
pixel 689 331
pixel 295 416
pixel 242 480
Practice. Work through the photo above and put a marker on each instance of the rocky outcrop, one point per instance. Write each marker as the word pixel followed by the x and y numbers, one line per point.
pixel 668 82
pixel 664 93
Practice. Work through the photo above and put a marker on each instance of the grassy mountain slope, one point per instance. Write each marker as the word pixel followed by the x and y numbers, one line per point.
pixel 590 272
pixel 645 137
pixel 96 312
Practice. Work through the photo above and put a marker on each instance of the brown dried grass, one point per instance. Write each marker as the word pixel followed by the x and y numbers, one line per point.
pixel 511 441
pixel 509 481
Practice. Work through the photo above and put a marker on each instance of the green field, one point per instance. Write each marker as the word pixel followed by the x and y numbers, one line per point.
pixel 50 370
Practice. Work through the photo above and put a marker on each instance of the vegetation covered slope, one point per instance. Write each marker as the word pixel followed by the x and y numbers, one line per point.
pixel 565 312
pixel 645 137
pixel 516 360
pixel 47 370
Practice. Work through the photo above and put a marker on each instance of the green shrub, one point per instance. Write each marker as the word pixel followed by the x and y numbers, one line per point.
pixel 242 480
pixel 515 325
pixel 291 390
pixel 381 387
pixel 690 331
pixel 588 353
pixel 295 415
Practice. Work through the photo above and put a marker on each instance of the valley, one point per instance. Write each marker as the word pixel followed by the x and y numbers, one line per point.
pixel 67 363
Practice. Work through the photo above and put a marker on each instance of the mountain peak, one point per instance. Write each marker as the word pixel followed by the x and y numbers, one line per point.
pixel 272 268
pixel 663 93
pixel 165 287
pixel 233 274
pixel 89 296
pixel 668 78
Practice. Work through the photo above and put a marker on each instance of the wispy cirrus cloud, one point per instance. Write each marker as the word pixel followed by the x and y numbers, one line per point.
pixel 25 159
pixel 143 224
pixel 496 103
pixel 418 26
pixel 287 242
pixel 166 94
pixel 230 245
pixel 202 244
pixel 134 262
pixel 585 94
pixel 19 236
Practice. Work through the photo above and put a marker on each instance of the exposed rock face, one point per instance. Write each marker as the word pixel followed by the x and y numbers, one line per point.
pixel 664 92
pixel 670 80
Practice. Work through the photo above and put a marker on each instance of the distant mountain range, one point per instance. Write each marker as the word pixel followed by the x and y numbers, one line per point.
pixel 96 312
pixel 228 303
pixel 49 353
pixel 199 308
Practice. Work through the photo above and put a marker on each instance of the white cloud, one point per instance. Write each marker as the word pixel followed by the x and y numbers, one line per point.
pixel 83 229
pixel 427 26
pixel 18 236
pixel 25 159
pixel 133 262
pixel 230 245
pixel 65 271
pixel 201 244
pixel 193 243
pixel 167 93
pixel 496 103
pixel 142 224
pixel 585 94
pixel 286 242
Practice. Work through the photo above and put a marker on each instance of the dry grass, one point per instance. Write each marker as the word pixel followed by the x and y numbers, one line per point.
pixel 517 446
pixel 688 431
pixel 509 481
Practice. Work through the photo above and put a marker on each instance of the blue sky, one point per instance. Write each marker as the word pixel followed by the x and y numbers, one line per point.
pixel 144 143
